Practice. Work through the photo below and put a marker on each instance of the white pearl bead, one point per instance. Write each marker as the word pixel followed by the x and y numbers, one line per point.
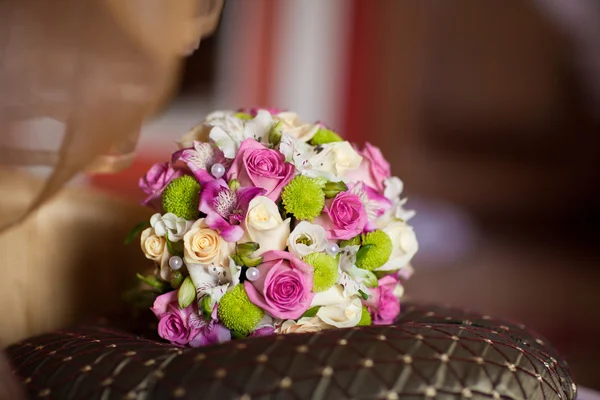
pixel 175 263
pixel 252 274
pixel 332 249
pixel 217 170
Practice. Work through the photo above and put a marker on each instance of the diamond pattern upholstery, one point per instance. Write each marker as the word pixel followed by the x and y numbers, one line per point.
pixel 429 353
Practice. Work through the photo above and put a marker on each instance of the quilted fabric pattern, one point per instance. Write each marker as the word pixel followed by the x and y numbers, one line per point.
pixel 429 353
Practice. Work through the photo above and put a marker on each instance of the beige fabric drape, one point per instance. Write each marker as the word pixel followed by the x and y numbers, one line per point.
pixel 77 78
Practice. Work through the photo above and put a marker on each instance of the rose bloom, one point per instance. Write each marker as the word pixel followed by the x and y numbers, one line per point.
pixel 383 303
pixel 203 245
pixel 284 287
pixel 404 245
pixel 263 224
pixel 304 325
pixel 336 309
pixel 346 216
pixel 373 170
pixel 155 249
pixel 173 322
pixel 256 165
pixel 155 181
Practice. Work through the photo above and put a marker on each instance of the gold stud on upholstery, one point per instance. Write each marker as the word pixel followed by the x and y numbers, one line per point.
pixel 430 391
pixel 44 393
pixel 221 373
pixel 368 363
pixel 262 358
pixel 343 342
pixel 327 371
pixel 302 349
pixel 107 382
pixel 179 392
pixel 87 368
pixel 200 357
pixel 285 382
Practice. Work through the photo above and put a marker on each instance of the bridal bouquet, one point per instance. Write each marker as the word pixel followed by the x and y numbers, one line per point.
pixel 269 225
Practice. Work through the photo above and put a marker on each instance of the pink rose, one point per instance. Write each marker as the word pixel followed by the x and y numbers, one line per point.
pixel 383 305
pixel 284 287
pixel 156 180
pixel 347 217
pixel 255 165
pixel 173 322
pixel 373 170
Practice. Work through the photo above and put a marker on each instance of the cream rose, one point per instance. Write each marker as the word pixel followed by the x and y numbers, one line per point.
pixel 205 246
pixel 303 325
pixel 404 245
pixel 264 225
pixel 155 249
pixel 293 126
pixel 336 309
pixel 307 238
pixel 336 158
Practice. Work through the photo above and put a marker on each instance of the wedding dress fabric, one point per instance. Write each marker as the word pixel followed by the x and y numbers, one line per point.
pixel 77 78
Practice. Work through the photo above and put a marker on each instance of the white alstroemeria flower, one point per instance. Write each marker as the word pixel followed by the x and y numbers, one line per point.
pixel 351 277
pixel 336 309
pixel 302 155
pixel 373 208
pixel 229 131
pixel 213 280
pixel 170 224
pixel 293 126
pixel 404 245
pixel 393 190
pixel 336 158
pixel 307 238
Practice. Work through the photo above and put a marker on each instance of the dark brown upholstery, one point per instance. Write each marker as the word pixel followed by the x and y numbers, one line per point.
pixel 430 352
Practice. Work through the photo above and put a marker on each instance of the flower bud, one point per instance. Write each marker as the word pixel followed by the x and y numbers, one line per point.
pixel 176 279
pixel 187 293
pixel 275 134
pixel 206 305
pixel 331 189
pixel 370 279
pixel 245 249
pixel 234 185
pixel 251 262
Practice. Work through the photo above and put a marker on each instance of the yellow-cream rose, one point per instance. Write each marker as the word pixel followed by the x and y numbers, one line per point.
pixel 304 325
pixel 336 309
pixel 264 225
pixel 203 245
pixel 293 126
pixel 155 249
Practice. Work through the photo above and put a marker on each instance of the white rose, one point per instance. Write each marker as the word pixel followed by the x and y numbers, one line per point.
pixel 336 309
pixel 264 225
pixel 170 224
pixel 205 246
pixel 404 245
pixel 337 158
pixel 304 325
pixel 307 238
pixel 155 249
pixel 293 126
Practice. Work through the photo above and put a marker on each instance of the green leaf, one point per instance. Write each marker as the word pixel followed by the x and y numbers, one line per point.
pixel 362 252
pixel 187 293
pixel 154 282
pixel 364 295
pixel 136 230
pixel 311 312
pixel 175 248
pixel 355 241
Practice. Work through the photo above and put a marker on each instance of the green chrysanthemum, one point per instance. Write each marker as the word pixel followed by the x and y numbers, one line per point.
pixel 355 241
pixel 303 198
pixel 181 197
pixel 365 318
pixel 377 254
pixel 238 313
pixel 323 136
pixel 326 270
pixel 243 116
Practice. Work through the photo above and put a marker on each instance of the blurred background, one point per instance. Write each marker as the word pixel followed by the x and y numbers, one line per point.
pixel 488 110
